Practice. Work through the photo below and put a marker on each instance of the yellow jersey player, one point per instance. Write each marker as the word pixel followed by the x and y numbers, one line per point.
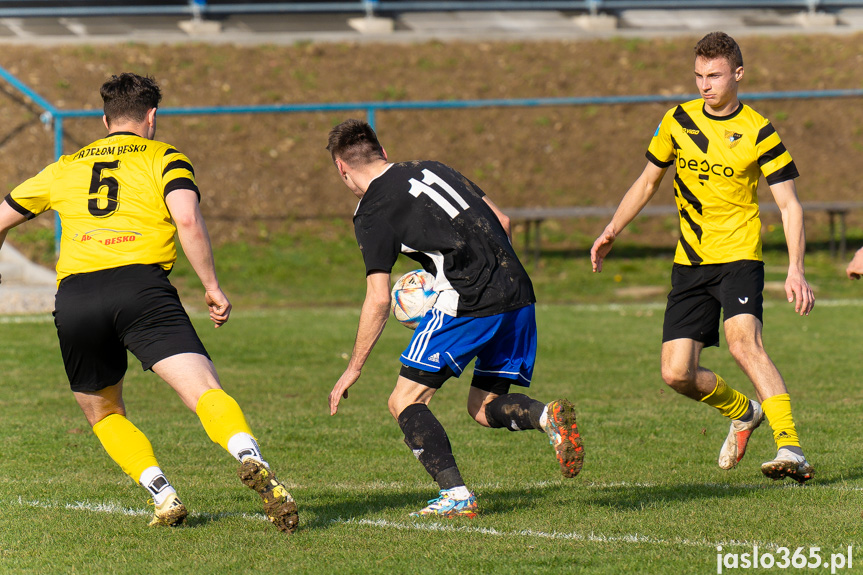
pixel 120 201
pixel 719 148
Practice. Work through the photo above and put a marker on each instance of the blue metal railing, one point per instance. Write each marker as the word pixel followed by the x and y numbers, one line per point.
pixel 56 116
pixel 204 8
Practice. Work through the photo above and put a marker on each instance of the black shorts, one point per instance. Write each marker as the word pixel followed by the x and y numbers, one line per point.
pixel 100 314
pixel 436 379
pixel 698 293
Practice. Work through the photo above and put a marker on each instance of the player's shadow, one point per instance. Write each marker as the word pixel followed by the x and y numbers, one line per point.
pixel 835 476
pixel 331 508
pixel 324 508
pixel 631 497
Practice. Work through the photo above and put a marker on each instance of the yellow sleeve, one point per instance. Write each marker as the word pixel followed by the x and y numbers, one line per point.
pixel 661 148
pixel 773 159
pixel 177 173
pixel 33 197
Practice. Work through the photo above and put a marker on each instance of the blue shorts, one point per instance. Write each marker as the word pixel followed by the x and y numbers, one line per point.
pixel 504 345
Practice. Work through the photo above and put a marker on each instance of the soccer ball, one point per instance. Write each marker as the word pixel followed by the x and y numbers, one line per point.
pixel 413 297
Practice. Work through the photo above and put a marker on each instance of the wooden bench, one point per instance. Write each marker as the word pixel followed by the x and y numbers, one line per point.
pixel 533 218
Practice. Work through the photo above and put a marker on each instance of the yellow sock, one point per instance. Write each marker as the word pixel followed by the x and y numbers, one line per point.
pixel 126 445
pixel 730 402
pixel 221 417
pixel 777 409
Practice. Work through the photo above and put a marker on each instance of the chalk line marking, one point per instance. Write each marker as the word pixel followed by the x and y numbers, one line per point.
pixel 115 509
pixel 590 537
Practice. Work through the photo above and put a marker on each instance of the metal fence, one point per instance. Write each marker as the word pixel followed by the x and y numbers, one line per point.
pixel 52 115
pixel 218 8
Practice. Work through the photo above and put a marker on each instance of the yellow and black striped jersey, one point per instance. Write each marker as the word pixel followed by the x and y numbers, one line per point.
pixel 719 161
pixel 110 196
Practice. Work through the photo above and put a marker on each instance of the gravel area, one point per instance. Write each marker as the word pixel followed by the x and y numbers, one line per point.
pixel 26 299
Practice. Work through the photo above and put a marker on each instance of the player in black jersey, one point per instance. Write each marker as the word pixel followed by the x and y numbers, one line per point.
pixel 484 309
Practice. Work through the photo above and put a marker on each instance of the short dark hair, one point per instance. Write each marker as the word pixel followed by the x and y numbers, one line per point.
pixel 720 45
pixel 355 142
pixel 129 96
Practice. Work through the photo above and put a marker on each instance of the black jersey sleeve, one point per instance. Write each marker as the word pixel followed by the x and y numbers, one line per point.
pixel 470 184
pixel 377 241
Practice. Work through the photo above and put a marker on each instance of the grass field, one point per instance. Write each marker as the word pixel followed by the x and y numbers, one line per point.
pixel 649 500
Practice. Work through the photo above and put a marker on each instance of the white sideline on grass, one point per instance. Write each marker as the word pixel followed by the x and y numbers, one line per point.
pixel 113 508
pixel 591 537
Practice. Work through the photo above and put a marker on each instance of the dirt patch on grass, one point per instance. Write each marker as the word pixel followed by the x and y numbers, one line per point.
pixel 260 172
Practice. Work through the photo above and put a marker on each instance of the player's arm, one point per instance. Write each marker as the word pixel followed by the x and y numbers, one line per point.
pixel 504 219
pixel 373 319
pixel 797 289
pixel 9 218
pixel 855 266
pixel 641 191
pixel 192 232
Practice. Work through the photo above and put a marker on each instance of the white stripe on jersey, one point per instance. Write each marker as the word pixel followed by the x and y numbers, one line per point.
pixel 420 341
pixel 447 299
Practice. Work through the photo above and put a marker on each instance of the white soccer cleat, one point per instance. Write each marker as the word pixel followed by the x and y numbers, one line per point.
pixel 734 447
pixel 788 464
pixel 170 513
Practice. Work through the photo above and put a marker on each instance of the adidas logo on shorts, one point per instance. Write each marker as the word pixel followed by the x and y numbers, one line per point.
pixel 435 357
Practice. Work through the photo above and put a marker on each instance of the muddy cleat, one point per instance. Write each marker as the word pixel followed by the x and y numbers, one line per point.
pixel 563 434
pixel 734 447
pixel 447 506
pixel 788 464
pixel 170 513
pixel 279 506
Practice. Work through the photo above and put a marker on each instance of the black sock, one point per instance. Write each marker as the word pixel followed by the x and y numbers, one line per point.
pixel 427 439
pixel 747 417
pixel 515 411
pixel 793 449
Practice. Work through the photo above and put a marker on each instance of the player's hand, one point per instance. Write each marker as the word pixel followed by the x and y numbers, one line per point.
pixel 340 389
pixel 601 247
pixel 219 306
pixel 798 290
pixel 855 266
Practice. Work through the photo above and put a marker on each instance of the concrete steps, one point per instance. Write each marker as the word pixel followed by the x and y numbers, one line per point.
pixel 26 288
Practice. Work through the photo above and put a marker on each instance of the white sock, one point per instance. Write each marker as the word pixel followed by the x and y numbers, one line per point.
pixel 459 492
pixel 154 481
pixel 243 445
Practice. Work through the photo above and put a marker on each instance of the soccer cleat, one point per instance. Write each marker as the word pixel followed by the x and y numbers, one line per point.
pixel 446 506
pixel 279 506
pixel 171 512
pixel 734 447
pixel 788 464
pixel 563 434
